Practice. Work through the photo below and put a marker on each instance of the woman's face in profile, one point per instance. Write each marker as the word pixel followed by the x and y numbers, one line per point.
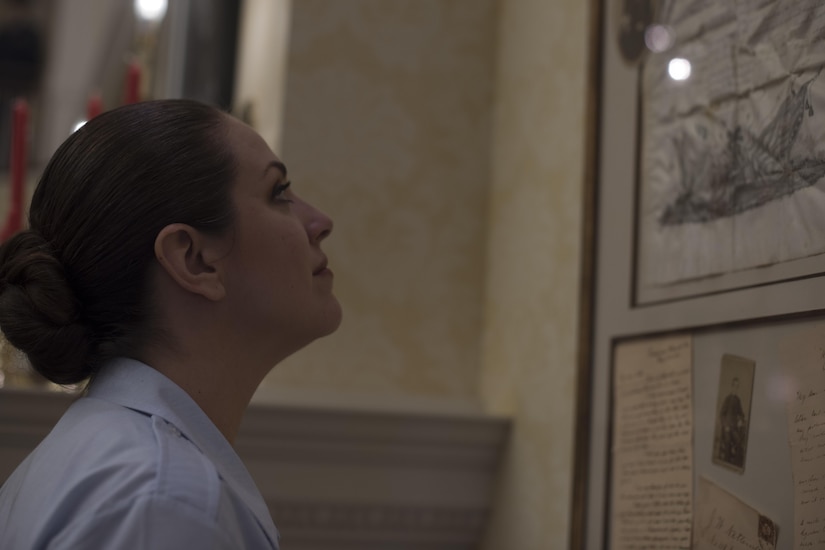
pixel 279 287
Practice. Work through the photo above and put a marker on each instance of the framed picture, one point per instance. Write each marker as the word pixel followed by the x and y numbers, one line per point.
pixel 731 147
pixel 704 202
pixel 733 405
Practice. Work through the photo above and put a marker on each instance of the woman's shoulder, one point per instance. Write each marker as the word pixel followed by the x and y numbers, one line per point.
pixel 109 448
pixel 101 457
pixel 137 452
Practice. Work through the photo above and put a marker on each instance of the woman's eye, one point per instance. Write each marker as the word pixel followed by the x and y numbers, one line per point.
pixel 279 191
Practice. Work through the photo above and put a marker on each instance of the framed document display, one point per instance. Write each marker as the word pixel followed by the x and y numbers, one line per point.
pixel 704 271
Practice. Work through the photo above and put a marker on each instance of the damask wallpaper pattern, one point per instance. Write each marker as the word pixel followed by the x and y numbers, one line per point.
pixel 445 137
pixel 387 128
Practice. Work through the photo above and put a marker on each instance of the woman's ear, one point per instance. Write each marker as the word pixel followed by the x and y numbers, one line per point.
pixel 186 255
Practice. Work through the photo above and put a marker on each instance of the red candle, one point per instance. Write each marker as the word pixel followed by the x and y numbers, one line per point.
pixel 132 83
pixel 20 119
pixel 94 106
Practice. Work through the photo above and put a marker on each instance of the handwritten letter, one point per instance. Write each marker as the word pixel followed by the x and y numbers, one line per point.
pixel 803 361
pixel 723 522
pixel 652 488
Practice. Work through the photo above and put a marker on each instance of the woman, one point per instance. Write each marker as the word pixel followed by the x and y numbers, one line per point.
pixel 169 260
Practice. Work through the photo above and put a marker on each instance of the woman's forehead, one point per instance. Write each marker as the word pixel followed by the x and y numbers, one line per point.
pixel 251 151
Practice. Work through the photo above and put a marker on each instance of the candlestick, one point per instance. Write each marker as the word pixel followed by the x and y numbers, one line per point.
pixel 132 83
pixel 19 155
pixel 94 106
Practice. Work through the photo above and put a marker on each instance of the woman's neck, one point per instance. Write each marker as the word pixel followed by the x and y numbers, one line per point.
pixel 221 387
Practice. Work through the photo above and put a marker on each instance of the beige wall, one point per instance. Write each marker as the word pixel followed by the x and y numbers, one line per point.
pixel 387 128
pixel 445 137
pixel 531 295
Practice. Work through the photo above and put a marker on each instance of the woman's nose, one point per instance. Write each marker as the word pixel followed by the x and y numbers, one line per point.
pixel 318 224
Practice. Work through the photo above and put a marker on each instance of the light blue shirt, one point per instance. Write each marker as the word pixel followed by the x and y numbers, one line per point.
pixel 134 464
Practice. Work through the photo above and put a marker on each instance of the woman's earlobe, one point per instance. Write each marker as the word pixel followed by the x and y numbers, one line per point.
pixel 181 252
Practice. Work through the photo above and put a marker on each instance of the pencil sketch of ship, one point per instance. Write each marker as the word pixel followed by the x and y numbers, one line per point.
pixel 750 171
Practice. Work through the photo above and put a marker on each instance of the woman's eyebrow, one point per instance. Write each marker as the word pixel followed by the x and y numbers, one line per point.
pixel 276 164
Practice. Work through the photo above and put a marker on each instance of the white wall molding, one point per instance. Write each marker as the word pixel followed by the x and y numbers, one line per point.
pixel 380 526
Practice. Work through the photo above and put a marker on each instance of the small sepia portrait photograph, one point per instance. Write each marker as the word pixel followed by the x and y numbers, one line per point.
pixel 733 405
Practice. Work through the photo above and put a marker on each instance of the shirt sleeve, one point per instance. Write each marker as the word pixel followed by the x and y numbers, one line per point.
pixel 148 522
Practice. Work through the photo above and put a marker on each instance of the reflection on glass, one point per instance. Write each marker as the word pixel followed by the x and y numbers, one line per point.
pixel 679 68
pixel 659 38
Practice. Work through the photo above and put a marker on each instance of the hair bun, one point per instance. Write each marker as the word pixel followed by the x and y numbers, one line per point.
pixel 39 313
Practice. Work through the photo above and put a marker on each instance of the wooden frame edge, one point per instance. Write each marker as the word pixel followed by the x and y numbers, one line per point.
pixel 581 449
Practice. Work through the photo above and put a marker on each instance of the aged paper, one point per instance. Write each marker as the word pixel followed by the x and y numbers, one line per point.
pixel 724 522
pixel 732 163
pixel 652 458
pixel 803 362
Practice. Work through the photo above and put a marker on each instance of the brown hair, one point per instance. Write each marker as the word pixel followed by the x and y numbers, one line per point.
pixel 74 287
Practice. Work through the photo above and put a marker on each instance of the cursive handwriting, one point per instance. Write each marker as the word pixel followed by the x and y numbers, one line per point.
pixel 806 422
pixel 652 497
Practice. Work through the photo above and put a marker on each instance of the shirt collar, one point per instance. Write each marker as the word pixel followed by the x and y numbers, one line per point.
pixel 135 385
